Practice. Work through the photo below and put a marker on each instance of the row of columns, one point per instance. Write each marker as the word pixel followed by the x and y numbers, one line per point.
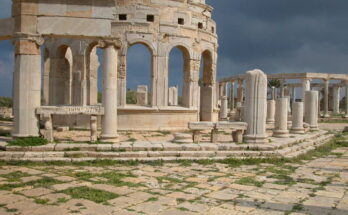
pixel 306 86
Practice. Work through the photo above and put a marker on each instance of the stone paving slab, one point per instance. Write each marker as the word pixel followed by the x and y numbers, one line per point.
pixel 318 186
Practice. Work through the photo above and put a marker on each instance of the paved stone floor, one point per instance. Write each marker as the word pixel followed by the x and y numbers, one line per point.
pixel 319 186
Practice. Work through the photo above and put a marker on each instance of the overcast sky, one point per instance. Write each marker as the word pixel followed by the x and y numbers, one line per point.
pixel 277 36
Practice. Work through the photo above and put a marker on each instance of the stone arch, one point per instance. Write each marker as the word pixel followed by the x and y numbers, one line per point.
pixel 92 66
pixel 207 87
pixel 146 100
pixel 186 77
pixel 61 76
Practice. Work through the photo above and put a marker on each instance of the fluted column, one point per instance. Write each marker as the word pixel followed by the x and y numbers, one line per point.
pixel 240 92
pixel 224 108
pixel 232 105
pixel 109 120
pixel 326 98
pixel 256 107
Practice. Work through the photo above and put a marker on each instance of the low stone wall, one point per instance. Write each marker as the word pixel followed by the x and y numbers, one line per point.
pixel 6 112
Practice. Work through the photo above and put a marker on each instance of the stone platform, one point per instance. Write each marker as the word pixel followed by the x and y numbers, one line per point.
pixel 290 147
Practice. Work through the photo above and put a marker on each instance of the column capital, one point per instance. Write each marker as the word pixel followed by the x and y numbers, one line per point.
pixel 27 44
pixel 36 38
pixel 106 42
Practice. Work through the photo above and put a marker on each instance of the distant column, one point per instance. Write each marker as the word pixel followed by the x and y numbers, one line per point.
pixel 232 96
pixel 224 108
pixel 240 92
pixel 109 120
pixel 326 98
pixel 297 118
pixel 346 116
pixel 255 111
pixel 311 109
pixel 270 111
pixel 281 118
pixel 282 88
pixel 336 99
pixel 273 93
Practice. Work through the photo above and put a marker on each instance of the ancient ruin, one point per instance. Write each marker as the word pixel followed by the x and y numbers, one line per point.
pixel 238 116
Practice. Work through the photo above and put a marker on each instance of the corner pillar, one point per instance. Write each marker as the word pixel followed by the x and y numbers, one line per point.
pixel 26 86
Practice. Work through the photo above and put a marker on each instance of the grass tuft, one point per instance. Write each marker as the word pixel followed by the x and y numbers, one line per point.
pixel 91 194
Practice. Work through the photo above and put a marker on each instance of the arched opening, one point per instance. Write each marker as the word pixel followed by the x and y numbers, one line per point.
pixel 6 71
pixel 206 87
pixel 139 75
pixel 178 76
pixel 94 74
pixel 61 78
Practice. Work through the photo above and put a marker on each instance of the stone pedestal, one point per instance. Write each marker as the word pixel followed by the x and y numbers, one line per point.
pixel 256 107
pixel 270 111
pixel 26 87
pixel 142 95
pixel 224 108
pixel 281 118
pixel 48 131
pixel 109 120
pixel 297 118
pixel 311 109
pixel 326 98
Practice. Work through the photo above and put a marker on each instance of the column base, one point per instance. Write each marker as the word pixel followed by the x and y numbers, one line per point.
pixel 270 121
pixel 297 130
pixel 281 133
pixel 256 139
pixel 109 138
pixel 326 115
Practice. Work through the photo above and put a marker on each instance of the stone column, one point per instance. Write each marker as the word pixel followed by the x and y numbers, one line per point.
pixel 297 118
pixel 282 88
pixel 326 98
pixel 26 86
pixel 281 118
pixel 336 100
pixel 306 86
pixel 311 109
pixel 273 93
pixel 232 105
pixel 109 120
pixel 346 115
pixel 293 94
pixel 256 107
pixel 224 108
pixel 270 111
pixel 240 92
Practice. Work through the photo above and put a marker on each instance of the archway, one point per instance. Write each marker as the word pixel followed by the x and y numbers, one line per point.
pixel 94 74
pixel 139 75
pixel 61 77
pixel 178 76
pixel 206 87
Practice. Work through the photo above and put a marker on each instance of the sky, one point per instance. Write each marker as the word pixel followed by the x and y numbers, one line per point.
pixel 277 36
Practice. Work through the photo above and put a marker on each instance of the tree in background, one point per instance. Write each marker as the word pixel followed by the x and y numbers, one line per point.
pixel 5 102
